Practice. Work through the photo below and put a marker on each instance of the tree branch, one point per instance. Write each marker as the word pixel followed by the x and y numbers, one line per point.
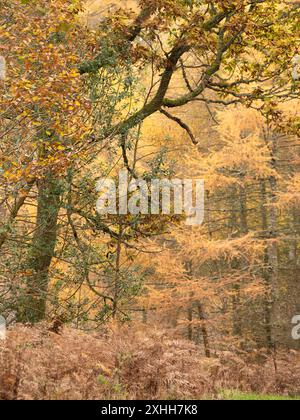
pixel 181 124
pixel 15 210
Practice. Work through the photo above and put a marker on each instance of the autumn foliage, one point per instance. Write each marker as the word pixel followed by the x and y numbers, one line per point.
pixel 184 89
pixel 130 363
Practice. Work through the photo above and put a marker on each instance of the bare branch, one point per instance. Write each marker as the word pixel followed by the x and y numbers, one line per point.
pixel 181 124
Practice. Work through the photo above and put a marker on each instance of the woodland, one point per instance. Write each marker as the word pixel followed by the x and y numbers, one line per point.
pixel 123 306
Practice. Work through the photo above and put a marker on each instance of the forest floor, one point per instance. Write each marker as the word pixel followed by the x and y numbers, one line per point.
pixel 136 362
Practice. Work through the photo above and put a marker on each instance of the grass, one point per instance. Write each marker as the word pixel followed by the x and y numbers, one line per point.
pixel 239 396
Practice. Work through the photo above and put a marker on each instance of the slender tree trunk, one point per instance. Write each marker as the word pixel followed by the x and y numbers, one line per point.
pixel 238 208
pixel 270 231
pixel 244 230
pixel 33 306
pixel 274 259
pixel 208 215
pixel 190 325
pixel 117 279
pixel 293 247
pixel 204 330
pixel 268 304
pixel 244 210
pixel 193 305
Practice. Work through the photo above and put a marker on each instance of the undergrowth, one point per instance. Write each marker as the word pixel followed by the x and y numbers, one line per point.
pixel 134 363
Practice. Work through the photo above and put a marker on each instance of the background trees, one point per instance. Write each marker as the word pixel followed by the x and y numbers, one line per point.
pixel 237 266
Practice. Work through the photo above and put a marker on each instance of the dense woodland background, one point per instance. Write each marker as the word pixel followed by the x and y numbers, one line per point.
pixel 167 89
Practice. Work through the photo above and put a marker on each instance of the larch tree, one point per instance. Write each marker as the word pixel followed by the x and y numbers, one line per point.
pixel 233 280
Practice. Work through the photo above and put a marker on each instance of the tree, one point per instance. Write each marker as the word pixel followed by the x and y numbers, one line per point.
pixel 241 264
pixel 44 116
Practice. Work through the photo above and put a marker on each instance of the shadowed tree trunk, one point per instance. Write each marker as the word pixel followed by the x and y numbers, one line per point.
pixel 196 304
pixel 204 331
pixel 238 202
pixel 266 273
pixel 270 232
pixel 33 306
pixel 270 272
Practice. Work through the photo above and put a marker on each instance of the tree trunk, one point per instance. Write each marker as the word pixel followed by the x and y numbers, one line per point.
pixel 190 313
pixel 270 232
pixel 204 331
pixel 33 306
pixel 270 271
pixel 238 208
pixel 190 320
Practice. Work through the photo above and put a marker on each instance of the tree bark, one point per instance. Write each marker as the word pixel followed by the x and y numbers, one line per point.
pixel 33 306
pixel 270 269
pixel 204 331
pixel 270 232
pixel 190 313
